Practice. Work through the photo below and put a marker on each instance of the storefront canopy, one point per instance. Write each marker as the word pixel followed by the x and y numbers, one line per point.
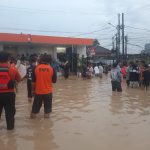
pixel 40 39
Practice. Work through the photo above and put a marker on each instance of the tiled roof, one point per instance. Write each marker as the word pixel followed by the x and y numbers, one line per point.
pixel 102 50
pixel 99 50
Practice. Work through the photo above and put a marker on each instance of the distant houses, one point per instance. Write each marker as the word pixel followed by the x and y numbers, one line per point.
pixel 146 49
pixel 98 54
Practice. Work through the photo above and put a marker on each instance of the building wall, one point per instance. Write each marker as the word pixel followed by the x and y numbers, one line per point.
pixel 33 49
pixel 147 48
pixel 1 47
pixel 81 50
pixel 30 49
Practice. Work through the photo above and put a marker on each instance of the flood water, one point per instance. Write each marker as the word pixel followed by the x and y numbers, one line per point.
pixel 86 115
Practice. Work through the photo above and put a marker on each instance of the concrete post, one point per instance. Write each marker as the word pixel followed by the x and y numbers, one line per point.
pixel 1 47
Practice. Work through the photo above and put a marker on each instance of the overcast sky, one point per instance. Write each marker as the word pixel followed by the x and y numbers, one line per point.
pixel 78 18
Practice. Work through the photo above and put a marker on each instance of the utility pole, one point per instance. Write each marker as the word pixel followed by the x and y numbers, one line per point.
pixel 113 47
pixel 113 44
pixel 126 44
pixel 72 62
pixel 118 39
pixel 123 51
pixel 117 54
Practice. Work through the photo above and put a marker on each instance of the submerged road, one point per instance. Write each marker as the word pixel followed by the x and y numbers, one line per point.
pixel 86 115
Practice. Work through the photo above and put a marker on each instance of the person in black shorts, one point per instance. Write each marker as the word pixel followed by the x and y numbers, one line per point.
pixel 32 61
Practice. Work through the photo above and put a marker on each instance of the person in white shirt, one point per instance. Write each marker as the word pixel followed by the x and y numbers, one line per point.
pixel 101 70
pixel 96 71
pixel 89 71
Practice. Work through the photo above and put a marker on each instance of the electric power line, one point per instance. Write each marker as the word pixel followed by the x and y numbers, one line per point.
pixel 138 28
pixel 134 45
pixel 108 45
pixel 105 39
pixel 53 31
pixel 91 32
pixel 139 37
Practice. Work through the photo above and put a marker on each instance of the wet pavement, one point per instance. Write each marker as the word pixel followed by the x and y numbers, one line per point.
pixel 86 115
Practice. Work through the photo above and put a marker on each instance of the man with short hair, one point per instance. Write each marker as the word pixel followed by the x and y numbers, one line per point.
pixel 43 77
pixel 116 78
pixel 8 76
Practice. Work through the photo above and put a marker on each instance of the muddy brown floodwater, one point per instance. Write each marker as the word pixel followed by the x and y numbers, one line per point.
pixel 86 116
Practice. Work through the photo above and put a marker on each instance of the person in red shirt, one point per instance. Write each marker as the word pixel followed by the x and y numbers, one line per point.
pixel 123 70
pixel 43 77
pixel 8 76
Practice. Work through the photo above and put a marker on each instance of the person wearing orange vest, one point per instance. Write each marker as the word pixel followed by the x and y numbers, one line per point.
pixel 43 77
pixel 8 76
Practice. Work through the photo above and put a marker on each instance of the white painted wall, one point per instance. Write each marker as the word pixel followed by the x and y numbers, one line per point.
pixel 81 50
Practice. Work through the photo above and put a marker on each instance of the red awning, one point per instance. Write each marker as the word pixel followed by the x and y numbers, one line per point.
pixel 25 38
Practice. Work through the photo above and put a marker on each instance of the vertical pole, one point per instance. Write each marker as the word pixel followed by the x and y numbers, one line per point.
pixel 118 38
pixel 117 54
pixel 1 47
pixel 113 44
pixel 123 51
pixel 113 48
pixel 72 50
pixel 126 44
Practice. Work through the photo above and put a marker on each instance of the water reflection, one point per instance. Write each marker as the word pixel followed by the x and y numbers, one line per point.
pixel 138 101
pixel 86 115
pixel 130 101
pixel 43 138
pixel 7 141
pixel 117 103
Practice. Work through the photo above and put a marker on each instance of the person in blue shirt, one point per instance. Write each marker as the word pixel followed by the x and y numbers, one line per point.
pixel 116 78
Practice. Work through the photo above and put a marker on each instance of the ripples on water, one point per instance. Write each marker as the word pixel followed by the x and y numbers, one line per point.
pixel 86 115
